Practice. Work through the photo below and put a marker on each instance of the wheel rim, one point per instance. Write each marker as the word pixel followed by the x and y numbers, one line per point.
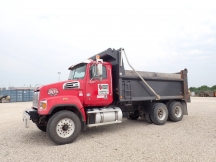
pixel 65 128
pixel 161 113
pixel 178 111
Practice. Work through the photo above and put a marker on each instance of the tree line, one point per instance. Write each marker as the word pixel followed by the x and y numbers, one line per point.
pixel 202 88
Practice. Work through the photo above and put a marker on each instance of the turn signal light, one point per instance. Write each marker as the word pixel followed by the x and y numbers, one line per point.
pixel 43 104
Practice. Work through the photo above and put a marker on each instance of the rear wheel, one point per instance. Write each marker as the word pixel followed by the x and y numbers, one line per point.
pixel 175 111
pixel 148 118
pixel 63 127
pixel 168 103
pixel 159 114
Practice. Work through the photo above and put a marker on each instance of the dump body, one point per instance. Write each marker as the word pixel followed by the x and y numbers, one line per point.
pixel 168 86
pixel 128 86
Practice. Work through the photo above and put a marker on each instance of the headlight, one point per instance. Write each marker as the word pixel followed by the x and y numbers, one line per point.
pixel 43 104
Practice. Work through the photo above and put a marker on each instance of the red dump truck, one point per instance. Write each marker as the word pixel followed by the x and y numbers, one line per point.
pixel 99 91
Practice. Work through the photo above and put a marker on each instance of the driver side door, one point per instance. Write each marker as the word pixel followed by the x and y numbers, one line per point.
pixel 98 91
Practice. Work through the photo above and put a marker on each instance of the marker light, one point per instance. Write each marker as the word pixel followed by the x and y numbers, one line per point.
pixel 43 104
pixel 97 56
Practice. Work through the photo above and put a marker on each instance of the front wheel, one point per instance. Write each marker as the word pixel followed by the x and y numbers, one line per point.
pixel 63 127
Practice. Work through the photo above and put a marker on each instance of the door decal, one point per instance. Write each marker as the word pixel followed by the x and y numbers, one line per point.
pixel 103 90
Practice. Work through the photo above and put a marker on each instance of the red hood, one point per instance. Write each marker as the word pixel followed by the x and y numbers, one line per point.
pixel 52 85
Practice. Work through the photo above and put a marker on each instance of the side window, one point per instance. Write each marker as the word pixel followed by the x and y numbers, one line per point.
pixel 104 75
pixel 93 72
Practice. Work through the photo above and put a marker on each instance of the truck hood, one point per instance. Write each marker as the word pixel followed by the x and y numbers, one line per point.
pixel 68 84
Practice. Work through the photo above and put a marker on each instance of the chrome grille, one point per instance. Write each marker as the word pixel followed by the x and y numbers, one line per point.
pixel 35 99
pixel 71 85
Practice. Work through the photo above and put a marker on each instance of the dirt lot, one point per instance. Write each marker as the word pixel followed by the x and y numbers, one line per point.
pixel 192 139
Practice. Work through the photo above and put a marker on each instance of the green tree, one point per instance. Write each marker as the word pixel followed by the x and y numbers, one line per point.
pixel 193 89
pixel 213 88
pixel 204 88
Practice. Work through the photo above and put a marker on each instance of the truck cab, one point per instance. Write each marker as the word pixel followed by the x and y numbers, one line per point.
pixel 85 87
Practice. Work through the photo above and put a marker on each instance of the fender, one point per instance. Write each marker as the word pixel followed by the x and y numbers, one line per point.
pixel 184 106
pixel 57 101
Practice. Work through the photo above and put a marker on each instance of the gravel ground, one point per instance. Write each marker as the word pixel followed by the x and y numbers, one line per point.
pixel 192 139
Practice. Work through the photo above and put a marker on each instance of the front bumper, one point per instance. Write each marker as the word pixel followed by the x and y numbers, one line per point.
pixel 30 114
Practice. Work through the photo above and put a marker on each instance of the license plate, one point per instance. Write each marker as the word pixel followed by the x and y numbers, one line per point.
pixel 26 119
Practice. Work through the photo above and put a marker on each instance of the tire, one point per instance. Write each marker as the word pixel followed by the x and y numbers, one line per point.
pixel 3 100
pixel 175 111
pixel 167 105
pixel 134 116
pixel 159 114
pixel 153 103
pixel 63 127
pixel 42 128
pixel 148 118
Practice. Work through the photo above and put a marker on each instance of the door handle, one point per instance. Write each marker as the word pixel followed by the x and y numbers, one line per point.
pixel 91 81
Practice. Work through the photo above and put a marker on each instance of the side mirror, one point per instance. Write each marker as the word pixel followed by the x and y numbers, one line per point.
pixel 96 71
pixel 99 70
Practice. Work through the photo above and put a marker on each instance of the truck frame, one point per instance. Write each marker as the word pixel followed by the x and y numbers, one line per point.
pixel 99 91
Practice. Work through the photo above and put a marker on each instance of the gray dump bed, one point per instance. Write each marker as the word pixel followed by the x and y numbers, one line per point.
pixel 166 85
pixel 153 74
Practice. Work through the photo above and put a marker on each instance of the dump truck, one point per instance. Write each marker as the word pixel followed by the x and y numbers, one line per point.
pixel 99 91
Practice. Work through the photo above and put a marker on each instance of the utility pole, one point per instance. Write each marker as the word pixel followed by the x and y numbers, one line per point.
pixel 59 76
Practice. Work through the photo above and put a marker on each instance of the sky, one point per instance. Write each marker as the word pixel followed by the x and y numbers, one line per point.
pixel 40 38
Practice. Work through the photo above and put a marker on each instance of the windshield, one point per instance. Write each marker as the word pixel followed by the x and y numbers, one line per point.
pixel 77 72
